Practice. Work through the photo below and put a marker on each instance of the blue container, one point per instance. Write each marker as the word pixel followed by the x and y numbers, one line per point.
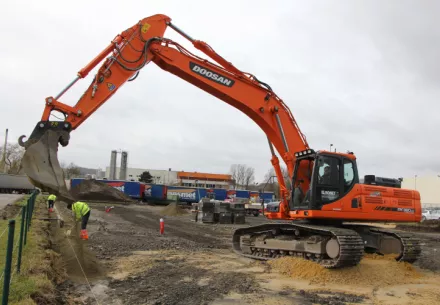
pixel 268 196
pixel 200 193
pixel 75 181
pixel 242 194
pixel 132 189
pixel 186 194
pixel 220 194
pixel 155 191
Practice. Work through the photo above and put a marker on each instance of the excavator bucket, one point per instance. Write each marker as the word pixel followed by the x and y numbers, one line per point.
pixel 40 161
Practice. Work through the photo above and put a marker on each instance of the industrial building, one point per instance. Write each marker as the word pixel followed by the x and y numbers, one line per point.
pixel 167 177
pixel 428 186
pixel 195 179
pixel 178 178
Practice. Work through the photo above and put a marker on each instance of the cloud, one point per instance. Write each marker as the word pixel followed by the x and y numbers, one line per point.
pixel 361 75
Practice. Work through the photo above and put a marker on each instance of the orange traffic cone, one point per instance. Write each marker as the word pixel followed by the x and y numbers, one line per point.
pixel 84 235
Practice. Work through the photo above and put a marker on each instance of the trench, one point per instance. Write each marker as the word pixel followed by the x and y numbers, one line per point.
pixel 84 271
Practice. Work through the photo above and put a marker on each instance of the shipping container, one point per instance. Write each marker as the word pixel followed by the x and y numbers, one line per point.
pixel 155 191
pixel 220 194
pixel 242 194
pixel 186 194
pixel 268 196
pixel 160 192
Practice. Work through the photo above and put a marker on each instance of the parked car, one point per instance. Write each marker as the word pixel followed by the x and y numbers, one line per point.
pixel 430 214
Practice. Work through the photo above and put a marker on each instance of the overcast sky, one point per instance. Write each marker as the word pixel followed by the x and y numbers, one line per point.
pixel 361 75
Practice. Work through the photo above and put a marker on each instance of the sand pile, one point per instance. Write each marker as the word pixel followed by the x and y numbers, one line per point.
pixel 372 271
pixel 173 209
pixel 98 191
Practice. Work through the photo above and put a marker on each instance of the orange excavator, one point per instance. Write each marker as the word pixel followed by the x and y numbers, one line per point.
pixel 328 215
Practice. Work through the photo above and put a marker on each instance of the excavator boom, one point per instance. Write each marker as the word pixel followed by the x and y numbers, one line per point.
pixel 123 59
pixel 325 185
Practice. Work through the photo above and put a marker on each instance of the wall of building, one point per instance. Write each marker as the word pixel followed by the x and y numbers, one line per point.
pixel 159 176
pixel 172 178
pixel 428 186
pixel 205 183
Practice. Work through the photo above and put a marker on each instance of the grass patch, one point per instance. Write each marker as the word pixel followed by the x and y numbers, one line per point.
pixel 35 283
pixel 23 201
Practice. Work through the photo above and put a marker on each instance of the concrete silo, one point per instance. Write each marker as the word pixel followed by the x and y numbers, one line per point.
pixel 123 169
pixel 113 158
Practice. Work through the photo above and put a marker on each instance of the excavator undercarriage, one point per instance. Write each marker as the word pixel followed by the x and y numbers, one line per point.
pixel 330 246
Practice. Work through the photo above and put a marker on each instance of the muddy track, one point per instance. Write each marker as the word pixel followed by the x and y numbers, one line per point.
pixel 193 263
pixel 201 234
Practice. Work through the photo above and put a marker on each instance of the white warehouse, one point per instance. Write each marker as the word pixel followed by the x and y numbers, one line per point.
pixel 168 177
pixel 428 186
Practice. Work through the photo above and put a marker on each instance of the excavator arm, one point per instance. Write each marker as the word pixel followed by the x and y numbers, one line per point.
pixel 123 59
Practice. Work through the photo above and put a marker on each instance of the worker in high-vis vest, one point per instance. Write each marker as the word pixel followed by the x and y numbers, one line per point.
pixel 81 212
pixel 51 201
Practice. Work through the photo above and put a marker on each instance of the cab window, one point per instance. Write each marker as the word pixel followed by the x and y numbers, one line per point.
pixel 328 177
pixel 348 174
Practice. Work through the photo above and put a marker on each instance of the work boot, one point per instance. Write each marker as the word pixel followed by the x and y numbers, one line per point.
pixel 84 235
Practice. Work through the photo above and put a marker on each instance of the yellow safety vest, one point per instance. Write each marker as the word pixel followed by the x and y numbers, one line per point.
pixel 52 197
pixel 80 209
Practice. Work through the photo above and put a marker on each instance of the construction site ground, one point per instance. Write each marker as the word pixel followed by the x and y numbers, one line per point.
pixel 127 261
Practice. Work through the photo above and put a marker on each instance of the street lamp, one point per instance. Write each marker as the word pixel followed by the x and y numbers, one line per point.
pixel 331 147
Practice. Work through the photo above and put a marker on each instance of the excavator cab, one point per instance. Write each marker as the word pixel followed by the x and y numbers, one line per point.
pixel 331 175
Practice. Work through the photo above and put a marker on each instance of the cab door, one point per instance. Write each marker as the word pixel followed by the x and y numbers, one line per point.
pixel 333 177
pixel 326 181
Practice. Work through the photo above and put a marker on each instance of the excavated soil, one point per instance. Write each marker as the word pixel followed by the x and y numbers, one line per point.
pixel 192 263
pixel 372 271
pixel 173 209
pixel 93 190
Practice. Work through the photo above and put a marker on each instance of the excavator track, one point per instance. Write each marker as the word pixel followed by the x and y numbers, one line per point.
pixel 346 250
pixel 408 250
pixel 411 248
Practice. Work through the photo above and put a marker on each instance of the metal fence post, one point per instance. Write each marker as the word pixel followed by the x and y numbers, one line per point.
pixel 31 209
pixel 26 220
pixel 20 245
pixel 8 262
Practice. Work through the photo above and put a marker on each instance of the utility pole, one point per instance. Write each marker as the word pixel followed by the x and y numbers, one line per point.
pixel 3 162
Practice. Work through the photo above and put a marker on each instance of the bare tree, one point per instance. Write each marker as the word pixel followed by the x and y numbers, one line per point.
pixel 242 175
pixel 249 177
pixel 274 186
pixel 233 173
pixel 71 171
pixel 14 155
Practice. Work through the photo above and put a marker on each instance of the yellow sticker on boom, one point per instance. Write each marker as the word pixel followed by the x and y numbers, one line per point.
pixel 145 28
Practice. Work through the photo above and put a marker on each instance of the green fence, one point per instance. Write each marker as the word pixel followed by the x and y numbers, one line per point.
pixel 16 229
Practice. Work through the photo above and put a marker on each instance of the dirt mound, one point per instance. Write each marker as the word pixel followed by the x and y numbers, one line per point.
pixel 98 191
pixel 372 271
pixel 173 209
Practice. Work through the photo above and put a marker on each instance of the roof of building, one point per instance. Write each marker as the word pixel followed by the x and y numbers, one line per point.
pixel 195 175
